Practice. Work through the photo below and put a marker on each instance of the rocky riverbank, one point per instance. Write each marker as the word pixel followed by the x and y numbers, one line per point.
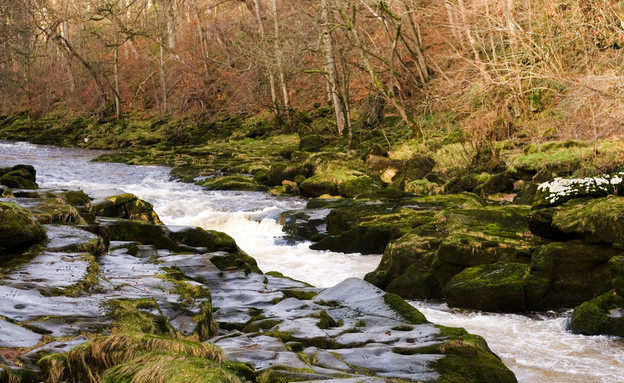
pixel 100 289
pixel 490 227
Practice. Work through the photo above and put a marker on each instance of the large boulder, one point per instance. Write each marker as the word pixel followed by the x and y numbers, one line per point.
pixel 565 274
pixel 599 220
pixel 18 228
pixel 560 190
pixel 603 315
pixel 19 177
pixel 127 206
pixel 232 182
pixel 496 287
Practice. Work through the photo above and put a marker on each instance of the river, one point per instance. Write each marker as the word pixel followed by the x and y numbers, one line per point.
pixel 536 347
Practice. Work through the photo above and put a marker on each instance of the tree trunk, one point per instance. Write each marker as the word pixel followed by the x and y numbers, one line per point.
pixel 332 72
pixel 272 82
pixel 116 74
pixel 278 60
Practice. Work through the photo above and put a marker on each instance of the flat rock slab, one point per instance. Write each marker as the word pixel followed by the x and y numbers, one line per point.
pixel 13 336
pixel 63 238
pixel 52 270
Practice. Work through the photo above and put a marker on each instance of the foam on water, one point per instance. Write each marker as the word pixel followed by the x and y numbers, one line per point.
pixel 538 348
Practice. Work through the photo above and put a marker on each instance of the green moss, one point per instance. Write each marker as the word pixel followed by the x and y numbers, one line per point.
pixel 125 357
pixel 326 321
pixel 232 183
pixel 404 309
pixel 18 228
pixel 598 220
pixel 90 284
pixel 496 287
pixel 603 315
pixel 18 375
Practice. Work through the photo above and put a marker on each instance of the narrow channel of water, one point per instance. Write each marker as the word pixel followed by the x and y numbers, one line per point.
pixel 537 348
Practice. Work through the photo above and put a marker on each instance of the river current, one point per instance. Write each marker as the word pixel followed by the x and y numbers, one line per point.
pixel 536 347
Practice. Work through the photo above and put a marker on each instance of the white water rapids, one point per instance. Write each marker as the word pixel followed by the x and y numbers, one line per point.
pixel 537 348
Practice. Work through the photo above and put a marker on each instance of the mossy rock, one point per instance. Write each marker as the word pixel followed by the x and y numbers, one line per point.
pixel 126 356
pixel 561 190
pixel 367 229
pixel 313 142
pixel 280 172
pixel 232 182
pixel 603 315
pixel 496 287
pixel 566 274
pixel 424 187
pixel 19 375
pixel 418 167
pixel 468 359
pixel 211 240
pixel 326 182
pixel 144 232
pixel 127 206
pixel 599 220
pixel 19 177
pixel 56 211
pixel 18 228
pixel 406 266
pixel 498 183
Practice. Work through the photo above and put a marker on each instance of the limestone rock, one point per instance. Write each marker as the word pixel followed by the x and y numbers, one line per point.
pixel 560 190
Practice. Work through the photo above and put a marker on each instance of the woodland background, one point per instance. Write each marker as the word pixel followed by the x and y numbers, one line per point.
pixel 499 68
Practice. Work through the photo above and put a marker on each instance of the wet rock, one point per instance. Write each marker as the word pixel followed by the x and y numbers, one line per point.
pixel 64 238
pixel 603 315
pixel 14 336
pixel 233 182
pixel 565 274
pixel 19 177
pixel 126 206
pixel 51 269
pixel 496 287
pixel 18 228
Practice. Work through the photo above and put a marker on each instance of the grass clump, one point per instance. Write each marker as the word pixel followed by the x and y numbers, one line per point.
pixel 160 356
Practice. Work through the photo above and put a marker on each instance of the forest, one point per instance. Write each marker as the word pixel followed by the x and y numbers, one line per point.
pixel 501 69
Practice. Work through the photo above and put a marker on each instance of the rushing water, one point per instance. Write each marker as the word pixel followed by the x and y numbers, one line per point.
pixel 537 348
